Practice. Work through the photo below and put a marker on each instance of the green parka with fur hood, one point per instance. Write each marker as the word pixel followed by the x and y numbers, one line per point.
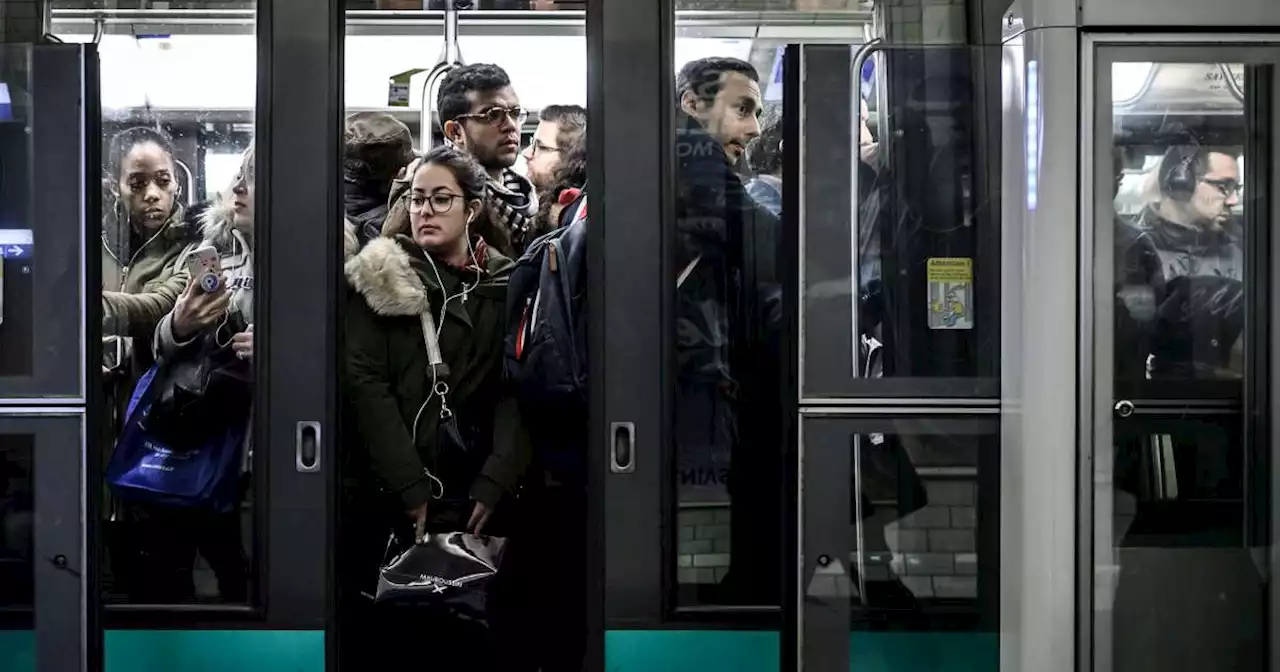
pixel 389 379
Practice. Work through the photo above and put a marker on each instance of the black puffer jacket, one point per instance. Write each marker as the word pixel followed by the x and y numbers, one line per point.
pixel 1179 299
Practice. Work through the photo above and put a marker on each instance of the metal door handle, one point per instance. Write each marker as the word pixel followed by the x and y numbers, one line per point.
pixel 307 440
pixel 1124 408
pixel 622 447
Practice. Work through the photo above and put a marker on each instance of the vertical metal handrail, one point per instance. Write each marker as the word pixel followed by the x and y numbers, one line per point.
pixel 191 182
pixel 450 58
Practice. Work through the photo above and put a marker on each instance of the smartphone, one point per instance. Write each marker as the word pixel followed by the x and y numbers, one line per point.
pixel 205 265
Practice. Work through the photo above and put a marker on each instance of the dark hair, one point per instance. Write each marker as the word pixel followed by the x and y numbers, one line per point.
pixel 702 77
pixel 571 138
pixel 470 176
pixel 763 155
pixel 452 100
pixel 123 142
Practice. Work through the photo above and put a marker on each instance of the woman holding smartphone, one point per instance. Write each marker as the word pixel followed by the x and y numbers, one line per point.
pixel 211 322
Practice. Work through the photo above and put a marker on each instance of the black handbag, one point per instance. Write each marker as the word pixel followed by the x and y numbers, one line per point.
pixel 201 392
pixel 449 573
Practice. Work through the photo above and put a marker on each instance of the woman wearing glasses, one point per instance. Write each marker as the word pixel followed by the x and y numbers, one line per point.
pixel 439 438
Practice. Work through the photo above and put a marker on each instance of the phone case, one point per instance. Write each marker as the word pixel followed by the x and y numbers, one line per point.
pixel 206 265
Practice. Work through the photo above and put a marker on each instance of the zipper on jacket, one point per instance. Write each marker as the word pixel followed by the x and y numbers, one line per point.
pixel 124 271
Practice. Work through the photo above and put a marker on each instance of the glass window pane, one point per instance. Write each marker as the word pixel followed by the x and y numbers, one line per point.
pixel 1180 512
pixel 16 523
pixel 913 547
pixel 903 284
pixel 728 320
pixel 1179 504
pixel 178 190
pixel 17 569
pixel 1180 240
pixel 17 239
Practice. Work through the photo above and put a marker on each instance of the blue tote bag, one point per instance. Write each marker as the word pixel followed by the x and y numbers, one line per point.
pixel 149 466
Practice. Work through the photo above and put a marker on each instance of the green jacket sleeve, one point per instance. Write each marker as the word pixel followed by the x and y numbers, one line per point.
pixel 137 315
pixel 510 458
pixel 382 431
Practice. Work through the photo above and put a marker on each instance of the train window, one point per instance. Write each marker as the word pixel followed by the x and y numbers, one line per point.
pixel 916 534
pixel 178 188
pixel 727 384
pixel 901 288
pixel 1176 490
pixel 17 338
pixel 16 524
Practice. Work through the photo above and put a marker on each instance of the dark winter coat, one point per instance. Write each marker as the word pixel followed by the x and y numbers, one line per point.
pixel 388 378
pixel 1179 299
pixel 139 275
pixel 366 204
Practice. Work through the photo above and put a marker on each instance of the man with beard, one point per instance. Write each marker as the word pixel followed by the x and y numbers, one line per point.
pixel 557 160
pixel 728 314
pixel 481 113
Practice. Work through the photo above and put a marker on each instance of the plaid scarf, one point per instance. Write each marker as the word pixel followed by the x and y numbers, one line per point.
pixel 512 205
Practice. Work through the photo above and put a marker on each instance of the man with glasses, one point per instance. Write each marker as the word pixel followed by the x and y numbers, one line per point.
pixel 1180 269
pixel 481 113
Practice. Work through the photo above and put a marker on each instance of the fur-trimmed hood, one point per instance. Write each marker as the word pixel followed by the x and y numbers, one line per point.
pixel 217 224
pixel 384 274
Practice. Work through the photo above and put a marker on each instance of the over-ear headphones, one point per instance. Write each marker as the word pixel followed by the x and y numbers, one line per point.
pixel 1180 170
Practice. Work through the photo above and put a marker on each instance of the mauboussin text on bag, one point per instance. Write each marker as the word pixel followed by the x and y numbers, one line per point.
pixel 150 467
pixel 448 573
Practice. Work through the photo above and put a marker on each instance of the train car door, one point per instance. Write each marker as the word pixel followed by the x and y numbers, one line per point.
pixel 1178 145
pixel 687 438
pixel 205 492
pixel 743 345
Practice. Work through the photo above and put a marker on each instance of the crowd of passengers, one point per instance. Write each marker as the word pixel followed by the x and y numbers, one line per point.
pixel 430 243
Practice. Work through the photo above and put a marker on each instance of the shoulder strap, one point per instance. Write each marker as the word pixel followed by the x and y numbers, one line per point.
pixel 432 340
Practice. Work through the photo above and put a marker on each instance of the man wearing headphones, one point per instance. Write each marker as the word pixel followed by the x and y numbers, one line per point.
pixel 1191 222
pixel 1180 270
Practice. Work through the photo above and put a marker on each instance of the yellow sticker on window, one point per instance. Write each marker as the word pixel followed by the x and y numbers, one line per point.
pixel 950 293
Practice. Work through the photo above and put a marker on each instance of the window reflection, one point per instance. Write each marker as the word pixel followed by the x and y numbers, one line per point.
pixel 1175 504
pixel 728 321
pixel 919 511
